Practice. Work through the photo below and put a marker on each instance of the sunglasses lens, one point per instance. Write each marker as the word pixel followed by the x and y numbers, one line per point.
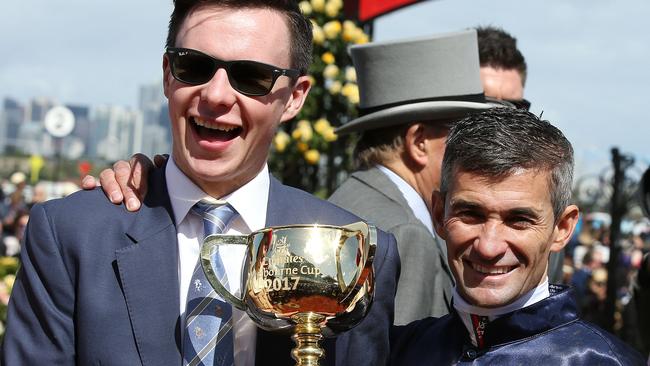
pixel 251 78
pixel 193 68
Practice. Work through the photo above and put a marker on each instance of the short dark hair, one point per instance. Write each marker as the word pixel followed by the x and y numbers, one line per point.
pixel 299 26
pixel 498 142
pixel 498 49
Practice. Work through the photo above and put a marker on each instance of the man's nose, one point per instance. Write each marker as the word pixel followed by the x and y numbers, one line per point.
pixel 490 241
pixel 218 90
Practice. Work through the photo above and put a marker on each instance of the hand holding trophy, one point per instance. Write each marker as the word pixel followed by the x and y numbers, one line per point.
pixel 312 280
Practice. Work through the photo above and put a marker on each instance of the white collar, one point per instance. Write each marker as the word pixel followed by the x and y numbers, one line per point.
pixel 250 200
pixel 464 309
pixel 412 197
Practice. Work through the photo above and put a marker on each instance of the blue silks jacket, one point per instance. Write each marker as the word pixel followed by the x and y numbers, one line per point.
pixel 546 333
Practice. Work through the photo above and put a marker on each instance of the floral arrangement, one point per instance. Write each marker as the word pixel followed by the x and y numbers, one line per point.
pixel 8 268
pixel 306 152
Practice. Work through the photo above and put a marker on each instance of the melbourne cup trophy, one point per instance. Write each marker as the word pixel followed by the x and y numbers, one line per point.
pixel 310 280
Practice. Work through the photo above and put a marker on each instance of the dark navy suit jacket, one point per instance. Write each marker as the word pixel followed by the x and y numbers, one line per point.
pixel 99 285
pixel 546 333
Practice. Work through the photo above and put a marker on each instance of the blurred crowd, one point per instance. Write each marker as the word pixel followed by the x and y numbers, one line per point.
pixel 17 196
pixel 585 269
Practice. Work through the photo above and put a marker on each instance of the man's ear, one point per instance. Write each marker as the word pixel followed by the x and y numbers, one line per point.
pixel 564 228
pixel 415 144
pixel 167 76
pixel 297 98
pixel 438 213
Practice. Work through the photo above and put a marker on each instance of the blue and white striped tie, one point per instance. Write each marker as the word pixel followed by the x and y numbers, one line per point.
pixel 208 338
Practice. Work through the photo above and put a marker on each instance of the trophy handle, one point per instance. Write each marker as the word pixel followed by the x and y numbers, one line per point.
pixel 209 245
pixel 366 255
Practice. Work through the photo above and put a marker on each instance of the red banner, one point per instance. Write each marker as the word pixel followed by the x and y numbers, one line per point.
pixel 365 10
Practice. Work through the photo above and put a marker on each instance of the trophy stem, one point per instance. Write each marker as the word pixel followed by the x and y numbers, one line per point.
pixel 307 336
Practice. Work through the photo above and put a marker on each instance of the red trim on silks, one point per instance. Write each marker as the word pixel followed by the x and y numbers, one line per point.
pixel 479 324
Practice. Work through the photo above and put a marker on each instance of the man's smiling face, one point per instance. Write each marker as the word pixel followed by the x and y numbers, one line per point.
pixel 499 234
pixel 221 137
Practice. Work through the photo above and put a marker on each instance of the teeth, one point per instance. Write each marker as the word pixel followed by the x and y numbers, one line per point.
pixel 214 125
pixel 491 270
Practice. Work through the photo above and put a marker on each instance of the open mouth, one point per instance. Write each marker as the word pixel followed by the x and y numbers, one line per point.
pixel 214 131
pixel 491 270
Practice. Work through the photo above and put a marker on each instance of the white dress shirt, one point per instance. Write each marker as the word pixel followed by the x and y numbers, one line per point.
pixel 250 201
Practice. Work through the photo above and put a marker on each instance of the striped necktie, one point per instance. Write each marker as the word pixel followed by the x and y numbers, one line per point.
pixel 208 338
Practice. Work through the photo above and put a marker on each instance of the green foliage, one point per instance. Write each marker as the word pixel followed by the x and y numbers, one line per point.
pixel 306 152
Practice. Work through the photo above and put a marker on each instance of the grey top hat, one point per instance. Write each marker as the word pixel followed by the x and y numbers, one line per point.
pixel 415 80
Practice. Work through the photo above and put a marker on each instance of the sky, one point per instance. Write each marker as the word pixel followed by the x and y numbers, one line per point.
pixel 588 60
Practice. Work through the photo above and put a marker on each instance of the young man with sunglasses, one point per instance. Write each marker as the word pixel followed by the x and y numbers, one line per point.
pixel 101 285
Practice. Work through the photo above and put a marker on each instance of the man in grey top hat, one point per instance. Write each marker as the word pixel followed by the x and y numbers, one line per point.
pixel 411 92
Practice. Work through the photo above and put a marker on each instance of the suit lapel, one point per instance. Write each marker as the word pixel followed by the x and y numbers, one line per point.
pixel 148 270
pixel 377 180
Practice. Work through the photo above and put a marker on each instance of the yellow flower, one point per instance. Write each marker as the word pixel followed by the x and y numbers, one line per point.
pixel 302 147
pixel 351 74
pixel 361 38
pixel 328 58
pixel 8 262
pixel 305 7
pixel 303 131
pixel 334 87
pixel 318 5
pixel 332 29
pixel 281 141
pixel 351 91
pixel 330 135
pixel 330 71
pixel 312 156
pixel 332 9
pixel 318 34
pixel 322 125
pixel 338 3
pixel 9 281
pixel 349 31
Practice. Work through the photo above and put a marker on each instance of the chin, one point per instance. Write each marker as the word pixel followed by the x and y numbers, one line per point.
pixel 488 298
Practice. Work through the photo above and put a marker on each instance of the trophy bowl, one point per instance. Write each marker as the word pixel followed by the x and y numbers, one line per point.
pixel 310 280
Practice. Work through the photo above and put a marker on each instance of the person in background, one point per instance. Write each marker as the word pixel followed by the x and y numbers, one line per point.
pixel 503 66
pixel 502 207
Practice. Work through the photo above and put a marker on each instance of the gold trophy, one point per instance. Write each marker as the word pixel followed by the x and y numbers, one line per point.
pixel 310 280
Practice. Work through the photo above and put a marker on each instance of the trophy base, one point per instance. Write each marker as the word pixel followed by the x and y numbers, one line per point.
pixel 307 336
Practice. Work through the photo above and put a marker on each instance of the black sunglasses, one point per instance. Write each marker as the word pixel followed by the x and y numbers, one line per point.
pixel 250 78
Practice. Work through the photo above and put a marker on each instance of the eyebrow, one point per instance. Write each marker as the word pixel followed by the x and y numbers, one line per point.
pixel 461 204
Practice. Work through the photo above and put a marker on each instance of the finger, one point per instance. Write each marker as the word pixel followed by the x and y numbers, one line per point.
pixel 140 168
pixel 110 187
pixel 124 178
pixel 89 182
